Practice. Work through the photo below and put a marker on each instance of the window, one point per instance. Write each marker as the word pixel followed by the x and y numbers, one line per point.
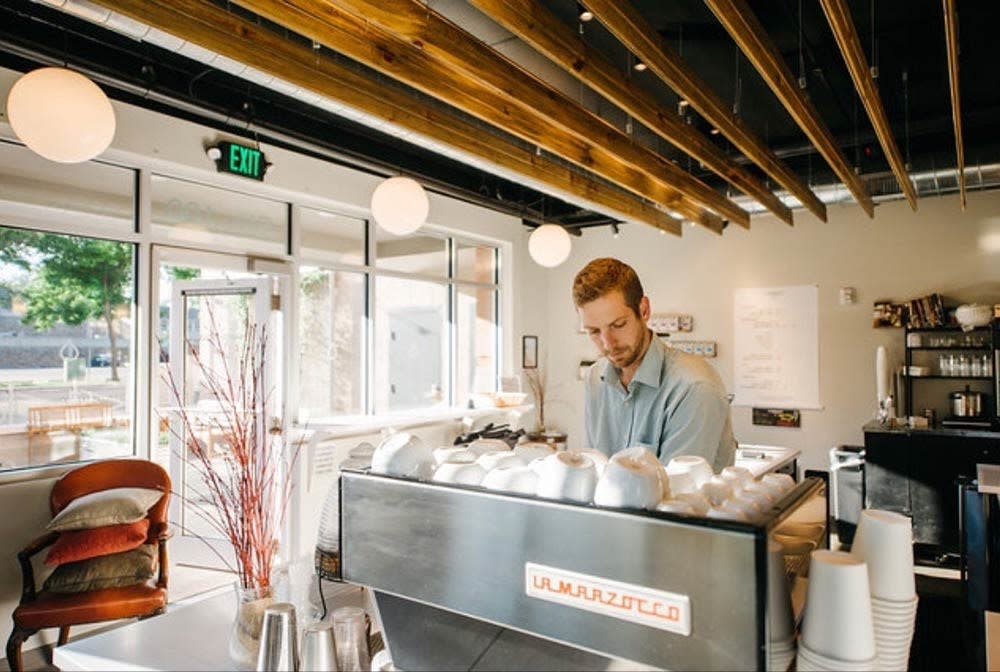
pixel 434 340
pixel 196 215
pixel 331 343
pixel 65 348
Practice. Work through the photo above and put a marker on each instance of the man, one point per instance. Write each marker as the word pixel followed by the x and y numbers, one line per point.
pixel 642 392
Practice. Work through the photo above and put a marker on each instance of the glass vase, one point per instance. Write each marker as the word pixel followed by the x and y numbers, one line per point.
pixel 244 637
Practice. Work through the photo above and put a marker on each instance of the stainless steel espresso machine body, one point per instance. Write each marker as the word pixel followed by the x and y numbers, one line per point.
pixel 467 578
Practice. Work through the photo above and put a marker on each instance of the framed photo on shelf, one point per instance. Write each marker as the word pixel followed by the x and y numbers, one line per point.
pixel 529 352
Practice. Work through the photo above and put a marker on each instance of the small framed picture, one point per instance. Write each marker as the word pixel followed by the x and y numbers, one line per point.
pixel 529 352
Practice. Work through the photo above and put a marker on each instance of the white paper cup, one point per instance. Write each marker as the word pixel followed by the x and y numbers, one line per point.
pixel 599 459
pixel 533 450
pixel 403 454
pixel 838 614
pixel 480 446
pixel 717 490
pixel 781 619
pixel 695 500
pixel 459 472
pixel 500 458
pixel 568 476
pixel 816 661
pixel 698 467
pixel 676 506
pixel 629 482
pixel 522 480
pixel 884 540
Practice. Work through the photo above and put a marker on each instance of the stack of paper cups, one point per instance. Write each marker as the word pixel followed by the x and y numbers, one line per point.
pixel 837 631
pixel 884 541
pixel 780 619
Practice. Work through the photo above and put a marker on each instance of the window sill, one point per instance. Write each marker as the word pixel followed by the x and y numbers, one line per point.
pixel 349 426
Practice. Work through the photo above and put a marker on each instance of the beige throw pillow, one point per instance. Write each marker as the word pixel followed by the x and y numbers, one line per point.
pixel 106 571
pixel 105 507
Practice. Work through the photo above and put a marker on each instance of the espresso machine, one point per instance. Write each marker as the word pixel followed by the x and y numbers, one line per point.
pixel 465 578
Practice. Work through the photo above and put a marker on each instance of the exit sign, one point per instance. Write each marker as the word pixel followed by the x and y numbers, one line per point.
pixel 241 160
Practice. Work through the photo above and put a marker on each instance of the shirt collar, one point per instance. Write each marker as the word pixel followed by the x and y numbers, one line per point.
pixel 650 369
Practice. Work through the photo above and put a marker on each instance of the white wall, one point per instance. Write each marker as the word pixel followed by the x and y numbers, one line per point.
pixel 899 255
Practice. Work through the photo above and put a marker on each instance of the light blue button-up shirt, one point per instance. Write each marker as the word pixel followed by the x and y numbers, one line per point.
pixel 675 405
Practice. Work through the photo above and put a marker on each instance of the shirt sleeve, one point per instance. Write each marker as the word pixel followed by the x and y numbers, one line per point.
pixel 696 424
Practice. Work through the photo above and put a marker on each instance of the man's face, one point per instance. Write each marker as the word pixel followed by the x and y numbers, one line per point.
pixel 615 328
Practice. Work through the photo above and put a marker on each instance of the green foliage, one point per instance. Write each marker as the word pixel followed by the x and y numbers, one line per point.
pixel 78 279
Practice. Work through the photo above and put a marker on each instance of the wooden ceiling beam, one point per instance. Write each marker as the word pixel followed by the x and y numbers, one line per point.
pixel 538 27
pixel 838 14
pixel 744 27
pixel 588 145
pixel 951 40
pixel 204 24
pixel 625 23
pixel 411 20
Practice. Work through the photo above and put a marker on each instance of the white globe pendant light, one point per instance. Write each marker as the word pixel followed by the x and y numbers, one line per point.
pixel 549 245
pixel 400 205
pixel 61 115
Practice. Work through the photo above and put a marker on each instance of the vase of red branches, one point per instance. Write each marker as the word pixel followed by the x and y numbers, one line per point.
pixel 246 474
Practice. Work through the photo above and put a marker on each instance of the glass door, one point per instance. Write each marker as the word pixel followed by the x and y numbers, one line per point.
pixel 212 314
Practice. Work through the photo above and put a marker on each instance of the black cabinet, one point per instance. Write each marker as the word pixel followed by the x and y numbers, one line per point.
pixel 916 473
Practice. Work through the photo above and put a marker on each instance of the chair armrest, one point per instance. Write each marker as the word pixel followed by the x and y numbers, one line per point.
pixel 24 558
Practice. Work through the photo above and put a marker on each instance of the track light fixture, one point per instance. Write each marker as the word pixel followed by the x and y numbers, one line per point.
pixel 583 13
pixel 638 66
pixel 615 231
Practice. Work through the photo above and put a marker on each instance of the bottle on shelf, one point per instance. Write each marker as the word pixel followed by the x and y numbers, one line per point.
pixel 944 365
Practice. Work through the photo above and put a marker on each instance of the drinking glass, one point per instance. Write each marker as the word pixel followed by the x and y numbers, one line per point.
pixel 350 632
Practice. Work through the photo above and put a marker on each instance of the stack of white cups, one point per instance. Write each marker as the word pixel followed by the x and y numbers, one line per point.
pixel 837 631
pixel 781 620
pixel 884 541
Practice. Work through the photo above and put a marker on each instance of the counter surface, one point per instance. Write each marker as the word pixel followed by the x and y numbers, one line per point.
pixel 878 428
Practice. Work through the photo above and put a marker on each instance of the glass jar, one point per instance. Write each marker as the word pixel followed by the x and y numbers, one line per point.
pixel 244 636
pixel 944 366
pixel 963 366
pixel 976 367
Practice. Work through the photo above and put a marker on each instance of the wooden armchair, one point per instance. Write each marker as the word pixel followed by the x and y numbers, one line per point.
pixel 45 609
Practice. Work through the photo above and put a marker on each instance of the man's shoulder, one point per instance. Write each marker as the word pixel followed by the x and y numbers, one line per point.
pixel 683 367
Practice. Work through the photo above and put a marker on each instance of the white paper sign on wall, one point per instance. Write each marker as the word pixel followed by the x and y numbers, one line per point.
pixel 776 347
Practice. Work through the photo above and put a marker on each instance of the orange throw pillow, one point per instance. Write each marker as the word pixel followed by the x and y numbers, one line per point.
pixel 74 545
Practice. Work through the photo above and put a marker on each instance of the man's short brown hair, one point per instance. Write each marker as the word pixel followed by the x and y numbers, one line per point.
pixel 603 276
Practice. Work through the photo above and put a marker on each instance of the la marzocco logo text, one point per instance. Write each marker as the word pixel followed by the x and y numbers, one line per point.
pixel 626 601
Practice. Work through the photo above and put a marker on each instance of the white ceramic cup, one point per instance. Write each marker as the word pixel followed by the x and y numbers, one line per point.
pixel 522 480
pixel 696 500
pixel 884 541
pixel 446 453
pixel 480 446
pixel 643 453
pixel 532 450
pixel 717 490
pixel 676 506
pixel 568 476
pixel 739 477
pixel 779 483
pixel 629 482
pixel 600 459
pixel 682 484
pixel 727 514
pixel 460 472
pixel 747 507
pixel 403 454
pixel 760 493
pixel 838 614
pixel 698 467
pixel 500 458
